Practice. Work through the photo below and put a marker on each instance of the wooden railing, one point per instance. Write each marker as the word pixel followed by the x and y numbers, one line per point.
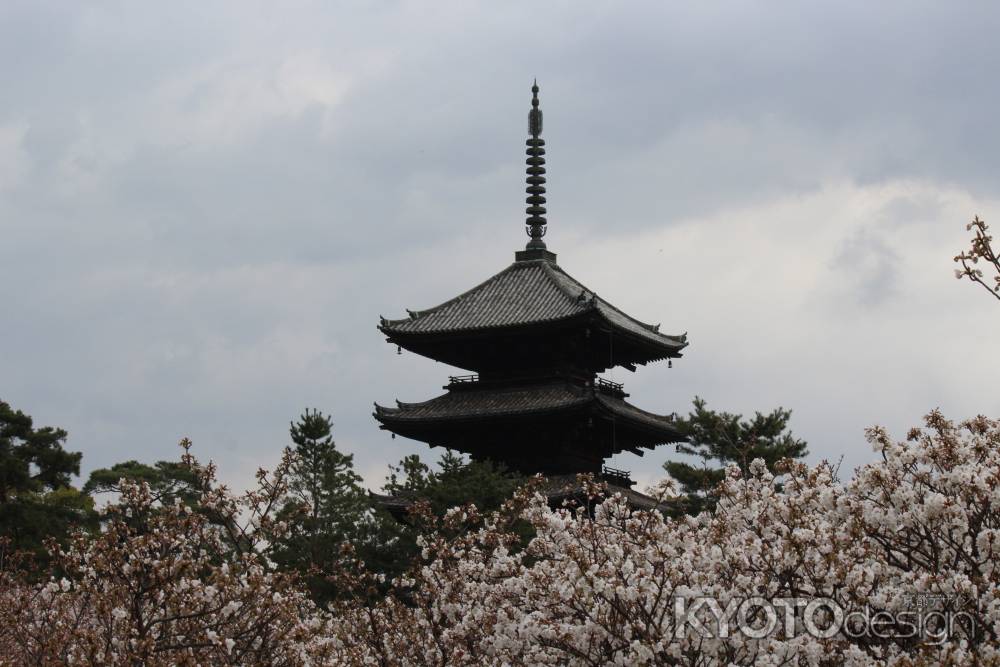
pixel 618 477
pixel 609 387
pixel 608 384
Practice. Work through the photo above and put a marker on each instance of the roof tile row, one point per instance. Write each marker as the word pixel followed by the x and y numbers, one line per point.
pixel 496 402
pixel 526 292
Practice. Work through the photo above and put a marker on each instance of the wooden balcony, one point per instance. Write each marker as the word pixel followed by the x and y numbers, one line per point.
pixel 616 389
pixel 617 477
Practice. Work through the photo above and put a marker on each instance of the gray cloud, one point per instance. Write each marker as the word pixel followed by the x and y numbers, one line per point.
pixel 204 208
pixel 869 267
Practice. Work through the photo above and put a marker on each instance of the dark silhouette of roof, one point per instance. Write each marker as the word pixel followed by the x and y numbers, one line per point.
pixel 507 401
pixel 560 488
pixel 557 489
pixel 527 292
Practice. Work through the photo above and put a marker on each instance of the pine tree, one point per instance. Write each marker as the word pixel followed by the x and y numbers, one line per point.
pixel 37 500
pixel 455 482
pixel 326 505
pixel 721 439
pixel 167 480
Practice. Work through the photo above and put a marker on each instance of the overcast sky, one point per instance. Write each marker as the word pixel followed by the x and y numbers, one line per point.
pixel 205 207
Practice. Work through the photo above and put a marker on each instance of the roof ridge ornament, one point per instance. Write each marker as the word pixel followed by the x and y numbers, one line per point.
pixel 535 223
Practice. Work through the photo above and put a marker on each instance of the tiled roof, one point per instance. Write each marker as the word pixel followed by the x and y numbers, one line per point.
pixel 623 408
pixel 557 488
pixel 526 292
pixel 490 402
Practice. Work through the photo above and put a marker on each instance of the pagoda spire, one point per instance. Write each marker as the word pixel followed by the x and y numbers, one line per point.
pixel 535 224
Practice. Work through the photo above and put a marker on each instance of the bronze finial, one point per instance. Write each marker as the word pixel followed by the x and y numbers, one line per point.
pixel 535 224
pixel 535 115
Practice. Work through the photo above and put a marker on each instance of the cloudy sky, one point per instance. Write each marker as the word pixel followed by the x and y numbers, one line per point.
pixel 205 207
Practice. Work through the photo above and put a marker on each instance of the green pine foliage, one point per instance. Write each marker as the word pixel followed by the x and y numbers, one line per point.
pixel 167 480
pixel 37 499
pixel 453 483
pixel 326 506
pixel 456 482
pixel 720 439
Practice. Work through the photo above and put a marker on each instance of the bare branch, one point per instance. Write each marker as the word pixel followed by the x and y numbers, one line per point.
pixel 981 248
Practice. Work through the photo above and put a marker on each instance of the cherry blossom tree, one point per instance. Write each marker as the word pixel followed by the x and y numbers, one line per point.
pixel 899 566
pixel 981 248
pixel 168 585
pixel 912 537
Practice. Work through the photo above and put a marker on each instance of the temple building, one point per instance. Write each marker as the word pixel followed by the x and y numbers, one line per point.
pixel 532 340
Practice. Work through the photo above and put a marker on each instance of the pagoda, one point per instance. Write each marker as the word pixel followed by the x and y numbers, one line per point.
pixel 532 340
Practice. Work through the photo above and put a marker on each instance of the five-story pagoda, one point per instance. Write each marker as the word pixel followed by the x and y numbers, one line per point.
pixel 534 340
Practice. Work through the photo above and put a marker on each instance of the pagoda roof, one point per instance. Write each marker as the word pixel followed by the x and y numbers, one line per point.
pixel 528 292
pixel 557 489
pixel 490 402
